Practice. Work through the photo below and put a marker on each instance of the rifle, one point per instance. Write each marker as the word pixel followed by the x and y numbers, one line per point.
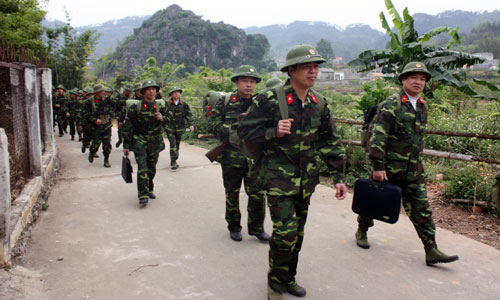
pixel 215 151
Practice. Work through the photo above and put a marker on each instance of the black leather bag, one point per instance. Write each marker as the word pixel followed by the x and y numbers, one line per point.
pixel 126 169
pixel 378 200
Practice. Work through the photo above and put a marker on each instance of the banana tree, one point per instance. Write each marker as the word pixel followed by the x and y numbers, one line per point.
pixel 406 46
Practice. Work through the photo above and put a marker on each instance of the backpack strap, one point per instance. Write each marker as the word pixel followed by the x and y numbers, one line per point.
pixel 227 97
pixel 280 93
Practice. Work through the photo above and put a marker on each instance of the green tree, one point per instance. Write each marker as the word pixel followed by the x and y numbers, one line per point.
pixel 104 64
pixel 68 58
pixel 324 48
pixel 20 23
pixel 406 46
pixel 151 70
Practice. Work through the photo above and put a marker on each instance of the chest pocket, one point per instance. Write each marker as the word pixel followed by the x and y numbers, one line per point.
pixel 404 122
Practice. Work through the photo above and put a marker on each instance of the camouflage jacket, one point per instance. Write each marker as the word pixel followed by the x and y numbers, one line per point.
pixel 71 107
pixel 397 140
pixel 220 120
pixel 178 116
pixel 103 109
pixel 61 101
pixel 120 103
pixel 142 133
pixel 292 161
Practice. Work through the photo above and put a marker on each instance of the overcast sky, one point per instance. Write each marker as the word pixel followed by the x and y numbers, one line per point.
pixel 257 12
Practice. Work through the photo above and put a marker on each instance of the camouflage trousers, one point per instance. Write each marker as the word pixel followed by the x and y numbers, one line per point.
pixel 174 138
pixel 146 171
pixel 416 205
pixel 72 126
pixel 61 122
pixel 289 215
pixel 233 176
pixel 87 135
pixel 101 136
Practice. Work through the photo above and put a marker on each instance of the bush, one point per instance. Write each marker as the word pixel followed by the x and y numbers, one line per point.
pixel 461 182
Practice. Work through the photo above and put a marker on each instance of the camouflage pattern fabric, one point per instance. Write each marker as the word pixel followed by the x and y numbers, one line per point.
pixel 289 215
pixel 396 146
pixel 179 117
pixel 396 143
pixel 102 109
pixel 120 112
pixel 417 208
pixel 289 170
pixel 143 135
pixel 235 168
pixel 174 139
pixel 60 112
pixel 72 109
pixel 83 114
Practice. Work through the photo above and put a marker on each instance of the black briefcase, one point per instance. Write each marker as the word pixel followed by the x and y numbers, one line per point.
pixel 126 169
pixel 378 200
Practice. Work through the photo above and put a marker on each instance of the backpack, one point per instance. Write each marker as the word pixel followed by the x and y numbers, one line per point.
pixel 369 118
pixel 252 150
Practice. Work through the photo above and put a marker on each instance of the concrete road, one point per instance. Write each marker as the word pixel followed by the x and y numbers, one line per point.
pixel 95 242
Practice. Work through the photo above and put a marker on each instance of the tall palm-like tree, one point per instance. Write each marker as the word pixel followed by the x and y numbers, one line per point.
pixel 406 46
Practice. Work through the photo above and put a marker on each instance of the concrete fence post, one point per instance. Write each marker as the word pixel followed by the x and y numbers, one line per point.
pixel 33 118
pixel 46 116
pixel 4 200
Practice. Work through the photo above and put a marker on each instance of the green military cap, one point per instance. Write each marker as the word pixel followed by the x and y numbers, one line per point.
pixel 246 71
pixel 88 90
pixel 60 86
pixel 415 67
pixel 149 83
pixel 99 87
pixel 173 89
pixel 129 88
pixel 108 89
pixel 137 86
pixel 301 54
pixel 273 82
pixel 80 92
pixel 74 91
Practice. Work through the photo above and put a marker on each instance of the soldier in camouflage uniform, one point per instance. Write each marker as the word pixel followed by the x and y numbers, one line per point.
pixel 395 149
pixel 289 167
pixel 143 134
pixel 71 110
pixel 178 118
pixel 59 109
pixel 85 126
pixel 100 111
pixel 234 165
pixel 120 111
pixel 273 82
pixel 137 91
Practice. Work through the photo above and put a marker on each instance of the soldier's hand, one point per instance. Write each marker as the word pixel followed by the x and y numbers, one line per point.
pixel 120 124
pixel 191 128
pixel 126 152
pixel 80 128
pixel 379 175
pixel 284 127
pixel 67 115
pixel 98 122
pixel 57 105
pixel 340 191
pixel 159 117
